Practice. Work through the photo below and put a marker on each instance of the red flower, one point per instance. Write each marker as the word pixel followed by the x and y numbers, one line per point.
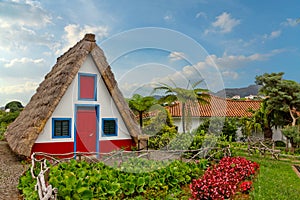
pixel 246 186
pixel 221 181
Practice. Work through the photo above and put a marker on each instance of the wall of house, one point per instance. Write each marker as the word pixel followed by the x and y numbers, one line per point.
pixel 66 109
pixel 277 134
pixel 195 122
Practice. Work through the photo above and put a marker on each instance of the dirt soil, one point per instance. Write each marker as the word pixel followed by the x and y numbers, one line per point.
pixel 11 169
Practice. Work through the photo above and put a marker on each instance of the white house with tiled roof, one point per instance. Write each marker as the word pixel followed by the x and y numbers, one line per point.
pixel 218 107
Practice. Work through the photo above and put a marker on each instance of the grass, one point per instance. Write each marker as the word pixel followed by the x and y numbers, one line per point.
pixel 276 180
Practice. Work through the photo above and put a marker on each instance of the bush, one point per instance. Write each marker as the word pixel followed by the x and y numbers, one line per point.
pixel 227 127
pixel 280 143
pixel 161 130
pixel 5 119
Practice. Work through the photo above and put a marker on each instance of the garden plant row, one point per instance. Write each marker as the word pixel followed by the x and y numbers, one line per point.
pixel 141 178
pixel 133 179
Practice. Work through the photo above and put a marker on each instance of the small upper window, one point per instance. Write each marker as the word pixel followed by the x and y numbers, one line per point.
pixel 61 128
pixel 87 87
pixel 109 127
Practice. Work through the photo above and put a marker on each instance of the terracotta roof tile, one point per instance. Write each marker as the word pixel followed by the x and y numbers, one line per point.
pixel 217 107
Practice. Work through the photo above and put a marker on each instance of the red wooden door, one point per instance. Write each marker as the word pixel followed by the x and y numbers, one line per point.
pixel 86 129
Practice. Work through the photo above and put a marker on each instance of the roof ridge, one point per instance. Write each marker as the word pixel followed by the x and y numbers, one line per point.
pixel 89 37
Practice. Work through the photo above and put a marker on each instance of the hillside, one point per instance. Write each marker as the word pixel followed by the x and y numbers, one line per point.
pixel 242 92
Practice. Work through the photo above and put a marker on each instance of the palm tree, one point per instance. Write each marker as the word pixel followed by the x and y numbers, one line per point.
pixel 140 105
pixel 260 121
pixel 184 95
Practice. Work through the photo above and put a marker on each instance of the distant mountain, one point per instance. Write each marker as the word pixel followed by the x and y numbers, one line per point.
pixel 242 92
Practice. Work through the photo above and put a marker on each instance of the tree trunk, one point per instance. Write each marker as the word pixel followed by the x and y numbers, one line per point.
pixel 183 117
pixel 268 133
pixel 293 117
pixel 293 124
pixel 294 145
pixel 287 144
pixel 141 118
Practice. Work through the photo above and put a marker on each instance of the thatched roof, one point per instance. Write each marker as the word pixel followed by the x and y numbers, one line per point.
pixel 23 132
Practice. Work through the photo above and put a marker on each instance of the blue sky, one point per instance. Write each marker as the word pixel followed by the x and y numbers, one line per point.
pixel 226 43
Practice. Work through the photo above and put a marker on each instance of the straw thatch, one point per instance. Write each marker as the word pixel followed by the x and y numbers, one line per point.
pixel 23 132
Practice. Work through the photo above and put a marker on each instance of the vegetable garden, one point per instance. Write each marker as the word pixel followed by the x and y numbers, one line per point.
pixel 136 177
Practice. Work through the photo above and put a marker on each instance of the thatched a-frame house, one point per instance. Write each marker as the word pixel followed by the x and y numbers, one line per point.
pixel 78 107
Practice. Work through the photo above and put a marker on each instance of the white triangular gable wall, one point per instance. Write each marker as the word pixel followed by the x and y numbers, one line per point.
pixel 66 108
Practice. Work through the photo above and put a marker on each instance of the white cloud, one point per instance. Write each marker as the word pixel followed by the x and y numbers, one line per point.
pixel 74 33
pixel 236 61
pixel 174 56
pixel 213 66
pixel 19 22
pixel 230 75
pixel 19 88
pixel 201 15
pixel 24 61
pixel 168 17
pixel 213 70
pixel 272 35
pixel 23 68
pixel 290 22
pixel 224 23
pixel 23 13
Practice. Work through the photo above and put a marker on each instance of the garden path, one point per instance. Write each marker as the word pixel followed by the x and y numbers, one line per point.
pixel 11 169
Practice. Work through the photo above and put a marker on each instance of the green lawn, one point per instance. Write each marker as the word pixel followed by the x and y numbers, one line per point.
pixel 276 180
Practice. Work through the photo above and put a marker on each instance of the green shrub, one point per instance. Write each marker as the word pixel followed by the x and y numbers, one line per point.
pixel 280 143
pixel 161 130
pixel 135 179
pixel 225 126
pixel 5 119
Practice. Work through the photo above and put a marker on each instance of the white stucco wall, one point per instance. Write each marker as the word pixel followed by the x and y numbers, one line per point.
pixel 196 121
pixel 66 108
pixel 277 135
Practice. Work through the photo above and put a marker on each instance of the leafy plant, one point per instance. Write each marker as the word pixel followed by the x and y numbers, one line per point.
pixel 161 130
pixel 5 119
pixel 293 134
pixel 135 179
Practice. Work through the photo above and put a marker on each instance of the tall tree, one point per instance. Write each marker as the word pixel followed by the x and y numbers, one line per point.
pixel 283 97
pixel 187 96
pixel 141 104
pixel 14 106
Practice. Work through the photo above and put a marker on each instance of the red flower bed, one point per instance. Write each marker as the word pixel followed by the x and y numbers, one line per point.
pixel 246 186
pixel 221 181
